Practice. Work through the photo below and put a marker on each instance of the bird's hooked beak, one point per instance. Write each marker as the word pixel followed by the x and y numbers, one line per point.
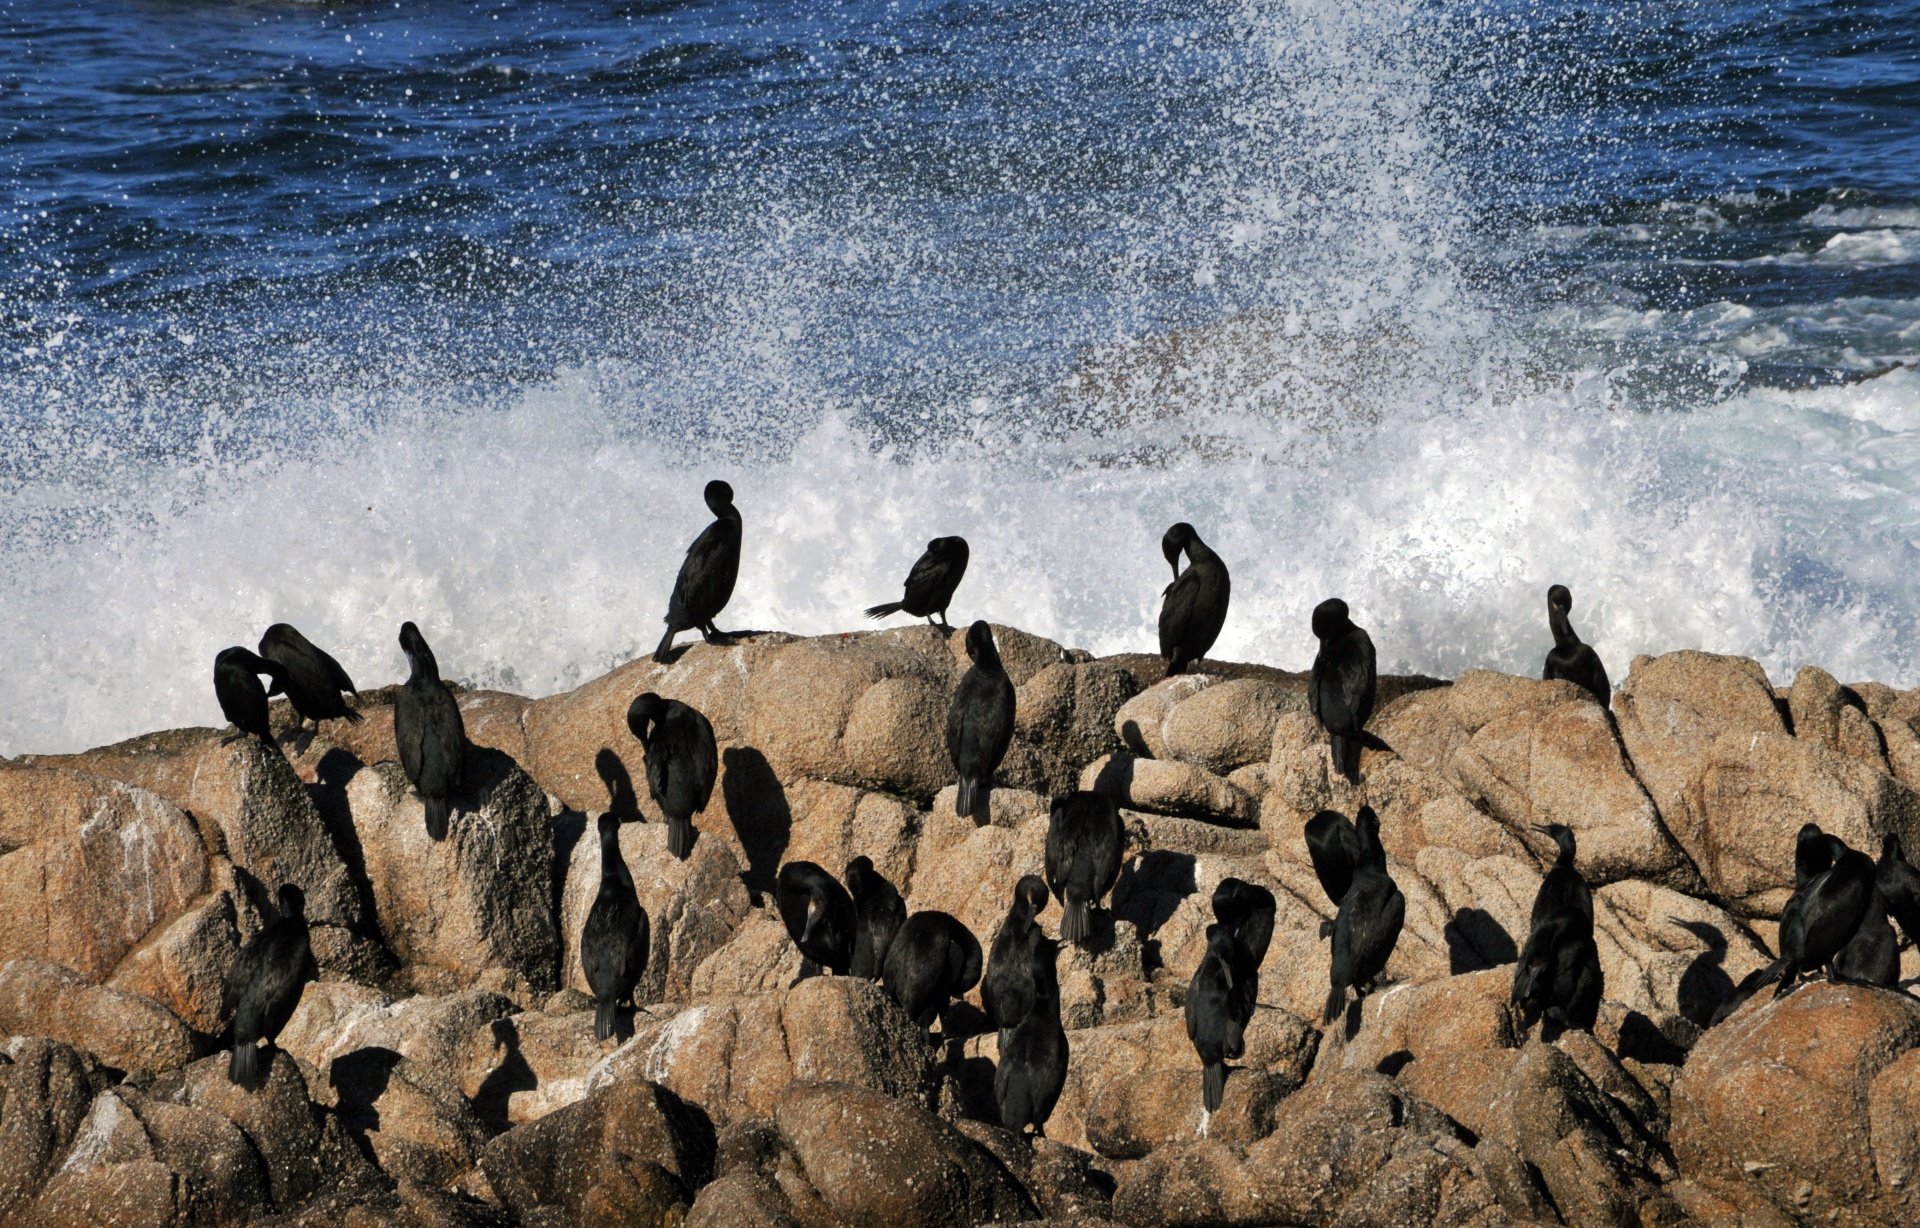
pixel 1543 829
pixel 1226 973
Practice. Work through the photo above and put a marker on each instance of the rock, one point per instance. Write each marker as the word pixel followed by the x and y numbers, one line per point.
pixel 1774 1110
pixel 48 1090
pixel 1131 1117
pixel 480 899
pixel 1836 717
pixel 1170 787
pixel 1229 726
pixel 522 1068
pixel 128 1031
pixel 415 1121
pixel 833 824
pixel 693 907
pixel 877 1160
pixel 1065 1182
pixel 1893 1115
pixel 336 1020
pixel 1068 711
pixel 138 1194
pixel 1139 722
pixel 88 866
pixel 760 958
pixel 492 719
pixel 970 871
pixel 183 964
pixel 277 1118
pixel 1665 954
pixel 1412 1023
pixel 218 1179
pixel 740 1200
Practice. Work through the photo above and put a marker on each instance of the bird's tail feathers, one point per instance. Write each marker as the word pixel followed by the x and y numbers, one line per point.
pixel 665 649
pixel 352 716
pixel 1336 1006
pixel 243 1068
pixel 438 815
pixel 604 1015
pixel 972 800
pixel 1346 757
pixel 1216 1085
pixel 1077 922
pixel 680 838
pixel 885 608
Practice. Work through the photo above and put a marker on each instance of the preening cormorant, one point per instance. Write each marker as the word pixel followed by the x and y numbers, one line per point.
pixel 265 982
pixel 1558 977
pixel 706 578
pixel 1340 688
pixel 1219 1007
pixel 1899 885
pixel 1570 659
pixel 1007 990
pixel 933 960
pixel 614 941
pixel 311 680
pixel 1084 842
pixel 236 684
pixel 980 723
pixel 1248 910
pixel 1033 1051
pixel 682 762
pixel 818 913
pixel 878 913
pixel 1334 848
pixel 430 734
pixel 1368 927
pixel 1194 607
pixel 931 583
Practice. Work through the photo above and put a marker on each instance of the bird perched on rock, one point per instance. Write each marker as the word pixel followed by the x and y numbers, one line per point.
pixel 429 732
pixel 615 940
pixel 1558 978
pixel 818 914
pixel 1333 847
pixel 1220 1000
pixel 265 982
pixel 1193 607
pixel 1899 885
pixel 1248 910
pixel 1823 916
pixel 706 578
pixel 1007 991
pixel 1033 1051
pixel 930 584
pixel 878 914
pixel 1872 955
pixel 980 724
pixel 1084 842
pixel 1341 685
pixel 311 680
pixel 236 684
pixel 1368 925
pixel 933 960
pixel 1569 659
pixel 683 760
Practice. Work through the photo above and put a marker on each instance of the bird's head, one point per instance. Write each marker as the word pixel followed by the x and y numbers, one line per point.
pixel 1330 618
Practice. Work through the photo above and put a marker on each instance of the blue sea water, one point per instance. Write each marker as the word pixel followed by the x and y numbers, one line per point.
pixel 346 314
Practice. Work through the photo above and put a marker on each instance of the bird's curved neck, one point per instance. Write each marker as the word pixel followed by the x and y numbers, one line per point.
pixel 1562 625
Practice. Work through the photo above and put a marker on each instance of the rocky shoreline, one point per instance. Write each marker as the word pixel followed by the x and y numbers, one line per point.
pixel 444 1071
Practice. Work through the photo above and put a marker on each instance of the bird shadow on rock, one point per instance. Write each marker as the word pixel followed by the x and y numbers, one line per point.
pixel 332 774
pixel 1476 941
pixel 513 1074
pixel 1705 986
pixel 622 801
pixel 1116 778
pixel 358 1080
pixel 762 818
pixel 1151 887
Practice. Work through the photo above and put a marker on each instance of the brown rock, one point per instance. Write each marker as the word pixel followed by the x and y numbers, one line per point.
pixel 1836 717
pixel 1131 1117
pixel 740 1200
pixel 1170 787
pixel 88 866
pixel 760 958
pixel 48 1089
pixel 336 1020
pixel 1067 711
pixel 970 871
pixel 1228 726
pixel 183 964
pixel 276 1117
pixel 1773 1111
pixel 125 1030
pixel 417 1124
pixel 1665 954
pixel 1139 723
pixel 219 1180
pixel 1066 1183
pixel 832 824
pixel 1893 1115
pixel 1591 1160
pixel 522 1068
pixel 1414 1022
pixel 138 1194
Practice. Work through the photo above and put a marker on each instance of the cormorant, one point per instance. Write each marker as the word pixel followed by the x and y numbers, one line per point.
pixel 1248 910
pixel 1084 842
pixel 1558 978
pixel 1340 688
pixel 614 941
pixel 931 583
pixel 1194 606
pixel 1033 1052
pixel 312 681
pixel 706 577
pixel 265 982
pixel 236 684
pixel 1368 927
pixel 1872 955
pixel 682 762
pixel 933 960
pixel 818 913
pixel 980 723
pixel 1569 658
pixel 1899 885
pixel 1564 887
pixel 429 732
pixel 1007 991
pixel 1219 1007
pixel 878 912
pixel 1334 848
pixel 1832 907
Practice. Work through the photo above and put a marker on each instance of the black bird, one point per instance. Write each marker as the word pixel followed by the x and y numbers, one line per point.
pixel 1368 927
pixel 1033 1052
pixel 1569 658
pixel 706 577
pixel 1248 910
pixel 311 680
pixel 265 982
pixel 682 762
pixel 1812 855
pixel 878 913
pixel 1194 606
pixel 1340 688
pixel 818 913
pixel 1334 848
pixel 1872 955
pixel 1899 885
pixel 1833 905
pixel 931 583
pixel 1558 978
pixel 1084 842
pixel 1007 991
pixel 236 684
pixel 980 724
pixel 933 960
pixel 1564 888
pixel 1219 1007
pixel 615 939
pixel 429 732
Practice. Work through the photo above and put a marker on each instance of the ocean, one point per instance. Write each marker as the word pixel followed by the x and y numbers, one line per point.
pixel 348 314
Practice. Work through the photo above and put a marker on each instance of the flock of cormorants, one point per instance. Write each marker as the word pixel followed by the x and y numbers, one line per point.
pixel 1836 920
